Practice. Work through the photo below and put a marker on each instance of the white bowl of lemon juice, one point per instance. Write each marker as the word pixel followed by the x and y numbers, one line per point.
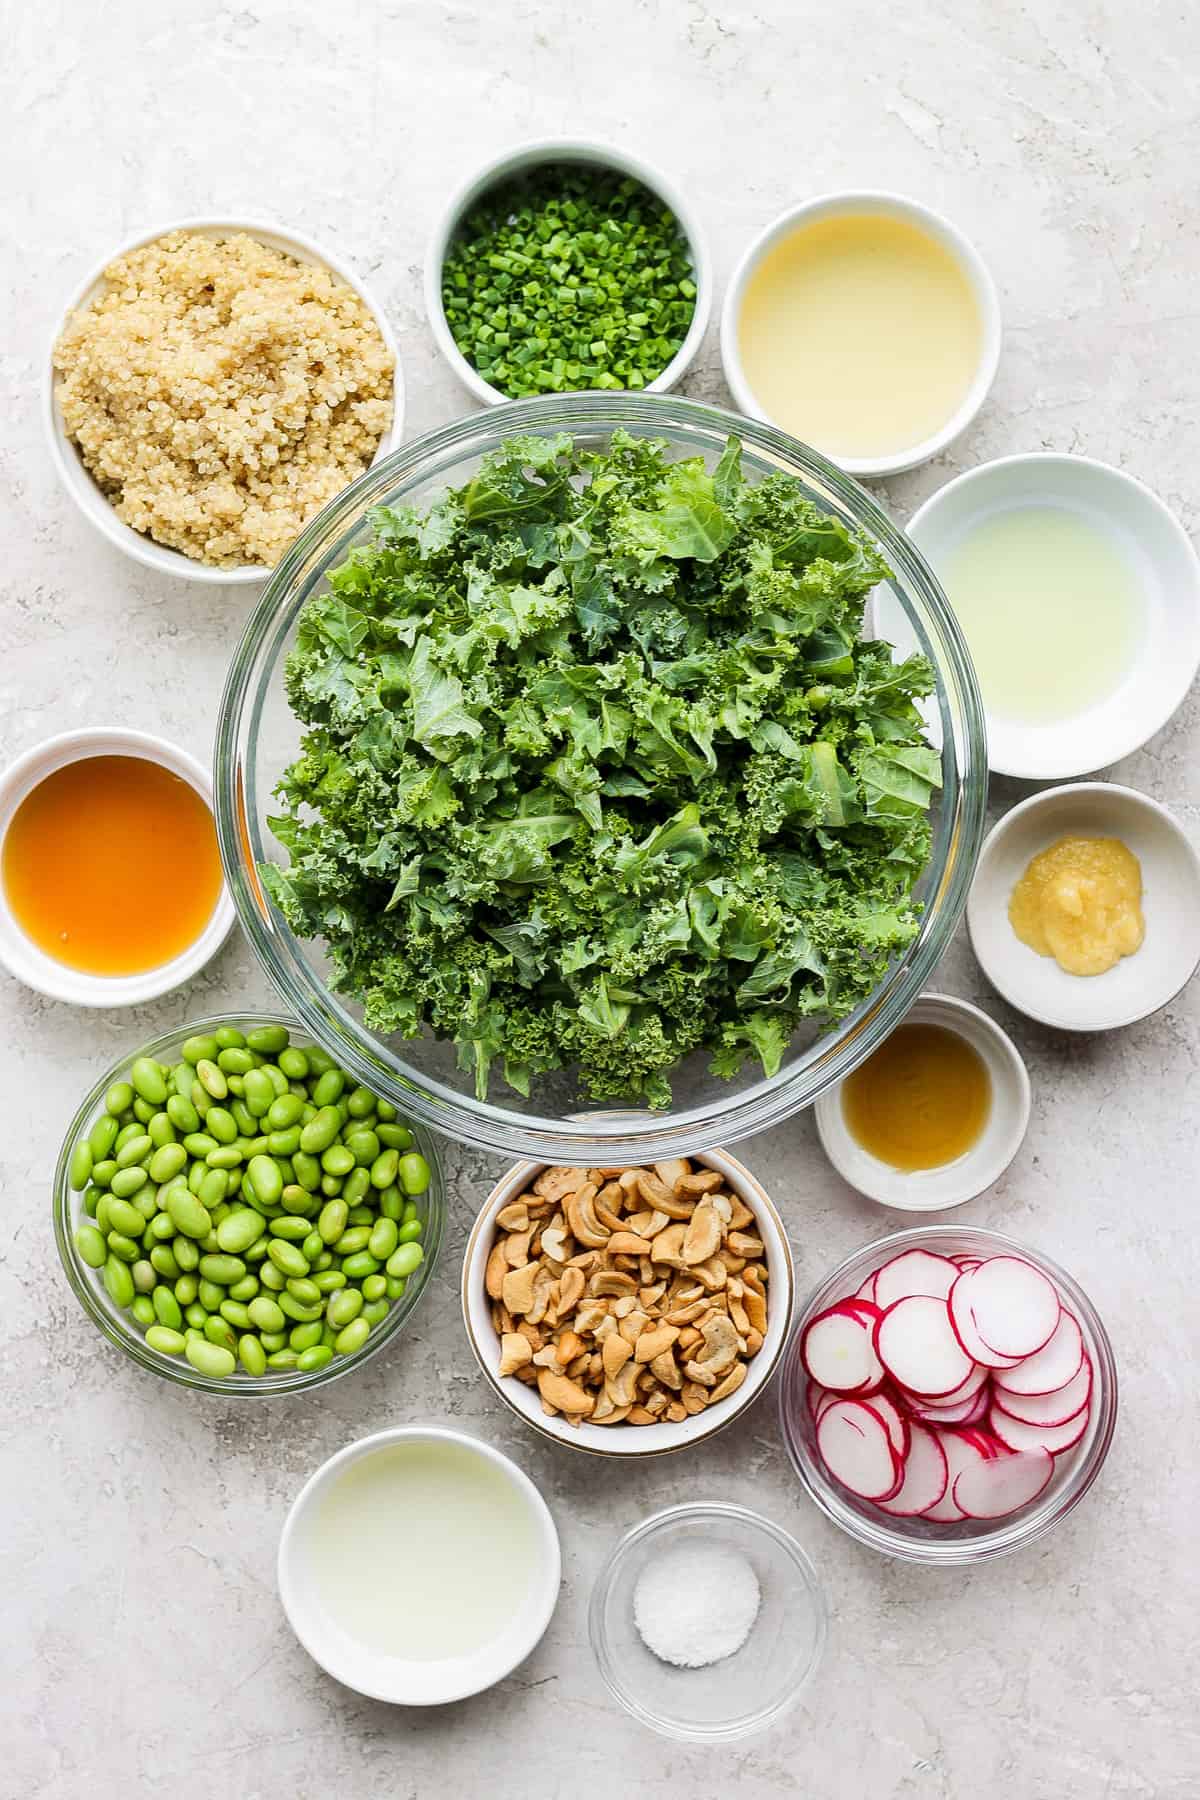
pixel 419 1565
pixel 864 324
pixel 1078 593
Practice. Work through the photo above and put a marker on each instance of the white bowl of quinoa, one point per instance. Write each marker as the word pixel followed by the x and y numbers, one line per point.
pixel 212 385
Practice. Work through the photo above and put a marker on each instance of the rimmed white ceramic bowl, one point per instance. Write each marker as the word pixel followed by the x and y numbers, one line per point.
pixel 631 1440
pixel 896 206
pixel 399 1680
pixel 1148 537
pixel 80 485
pixel 954 1183
pixel 25 959
pixel 1139 984
pixel 520 161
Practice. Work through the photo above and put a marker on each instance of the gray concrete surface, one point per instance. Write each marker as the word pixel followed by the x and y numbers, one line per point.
pixel 143 1651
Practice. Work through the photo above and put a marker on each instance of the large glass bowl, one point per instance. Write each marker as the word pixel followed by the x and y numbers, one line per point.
pixel 257 736
pixel 123 1331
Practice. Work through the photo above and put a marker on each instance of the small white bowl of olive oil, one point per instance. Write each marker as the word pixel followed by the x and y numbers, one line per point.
pixel 864 324
pixel 935 1115
pixel 1078 593
pixel 419 1566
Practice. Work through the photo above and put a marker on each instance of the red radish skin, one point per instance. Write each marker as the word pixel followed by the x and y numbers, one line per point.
pixel 817 1397
pixel 967 1390
pixel 960 1454
pixel 1054 1438
pixel 838 1352
pixel 1014 1307
pixel 1049 1409
pixel 857 1308
pixel 1002 1485
pixel 867 1290
pixel 925 1477
pixel 893 1418
pixel 984 1441
pixel 966 1412
pixel 856 1449
pixel 1051 1367
pixel 916 1345
pixel 965 1330
pixel 914 1272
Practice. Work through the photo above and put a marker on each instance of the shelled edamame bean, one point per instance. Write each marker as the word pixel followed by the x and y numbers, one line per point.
pixel 249 1207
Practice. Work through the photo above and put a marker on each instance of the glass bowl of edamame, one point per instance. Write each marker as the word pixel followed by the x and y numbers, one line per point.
pixel 235 1214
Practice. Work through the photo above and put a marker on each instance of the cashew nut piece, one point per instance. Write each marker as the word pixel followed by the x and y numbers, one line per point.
pixel 515 1352
pixel 562 1392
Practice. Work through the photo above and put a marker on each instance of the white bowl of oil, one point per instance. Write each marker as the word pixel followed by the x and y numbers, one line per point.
pixel 935 1116
pixel 419 1566
pixel 865 324
pixel 1078 593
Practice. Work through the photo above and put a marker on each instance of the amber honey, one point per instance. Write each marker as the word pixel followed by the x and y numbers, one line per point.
pixel 111 865
pixel 922 1100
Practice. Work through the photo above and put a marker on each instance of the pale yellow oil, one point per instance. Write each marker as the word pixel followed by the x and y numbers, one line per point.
pixel 422 1550
pixel 1049 604
pixel 1080 901
pixel 860 334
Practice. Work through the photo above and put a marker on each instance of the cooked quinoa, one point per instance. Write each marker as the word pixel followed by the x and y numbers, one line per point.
pixel 221 392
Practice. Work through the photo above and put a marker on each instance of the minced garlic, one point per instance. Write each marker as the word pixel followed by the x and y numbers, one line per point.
pixel 1080 901
pixel 221 392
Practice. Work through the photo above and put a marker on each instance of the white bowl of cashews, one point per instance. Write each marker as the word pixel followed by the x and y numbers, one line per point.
pixel 557 1263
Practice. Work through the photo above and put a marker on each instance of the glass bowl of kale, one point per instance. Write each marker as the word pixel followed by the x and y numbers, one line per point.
pixel 565 796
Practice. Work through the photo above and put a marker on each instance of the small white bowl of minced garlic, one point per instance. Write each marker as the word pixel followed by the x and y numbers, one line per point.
pixel 210 388
pixel 1085 909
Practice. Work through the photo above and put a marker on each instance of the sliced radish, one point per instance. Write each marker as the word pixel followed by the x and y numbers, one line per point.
pixel 984 1441
pixel 817 1397
pixel 1014 1307
pixel 838 1352
pixel 867 1290
pixel 963 1412
pixel 925 1476
pixel 914 1272
pixel 967 1390
pixel 964 1261
pixel 965 1329
pixel 916 1345
pixel 1002 1485
pixel 1049 1409
pixel 1051 1367
pixel 960 1455
pixel 1055 1438
pixel 858 1308
pixel 856 1449
pixel 893 1418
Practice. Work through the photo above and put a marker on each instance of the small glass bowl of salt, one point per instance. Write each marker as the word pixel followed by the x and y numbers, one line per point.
pixel 707 1622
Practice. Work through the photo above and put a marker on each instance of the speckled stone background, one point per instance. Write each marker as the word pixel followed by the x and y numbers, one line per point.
pixel 143 1650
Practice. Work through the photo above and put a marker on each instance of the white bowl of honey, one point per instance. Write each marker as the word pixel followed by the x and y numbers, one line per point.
pixel 935 1115
pixel 111 888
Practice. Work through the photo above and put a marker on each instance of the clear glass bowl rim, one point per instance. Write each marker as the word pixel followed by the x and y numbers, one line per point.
pixel 698 1512
pixel 84 1281
pixel 606 1137
pixel 1006 1536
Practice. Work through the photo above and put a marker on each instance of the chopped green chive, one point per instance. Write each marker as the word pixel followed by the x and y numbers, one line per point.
pixel 572 277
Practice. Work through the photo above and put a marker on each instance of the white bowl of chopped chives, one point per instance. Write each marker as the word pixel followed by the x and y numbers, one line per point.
pixel 189 501
pixel 600 319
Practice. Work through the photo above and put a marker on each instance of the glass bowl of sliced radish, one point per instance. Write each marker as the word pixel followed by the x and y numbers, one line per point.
pixel 948 1395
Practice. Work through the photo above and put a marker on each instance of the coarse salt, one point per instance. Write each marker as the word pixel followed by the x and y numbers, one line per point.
pixel 696 1604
